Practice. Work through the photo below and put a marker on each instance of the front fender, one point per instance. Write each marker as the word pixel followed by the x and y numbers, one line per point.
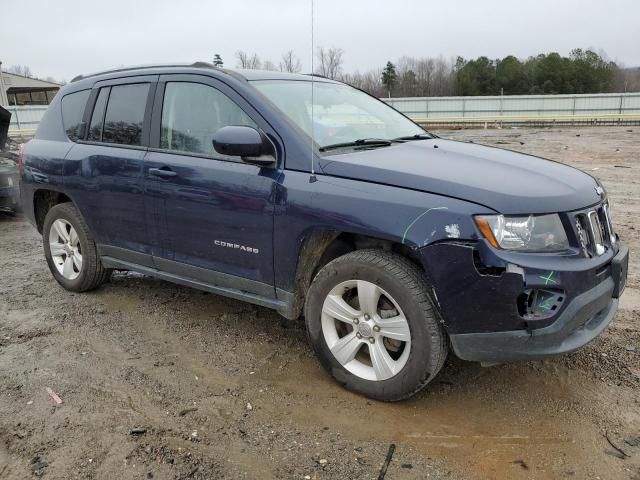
pixel 403 216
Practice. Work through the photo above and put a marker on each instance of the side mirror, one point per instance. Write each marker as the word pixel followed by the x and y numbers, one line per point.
pixel 245 142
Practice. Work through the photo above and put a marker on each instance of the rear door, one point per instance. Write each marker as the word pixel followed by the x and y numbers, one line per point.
pixel 213 213
pixel 104 171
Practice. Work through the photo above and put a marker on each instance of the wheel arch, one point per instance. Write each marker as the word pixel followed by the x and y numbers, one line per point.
pixel 319 247
pixel 43 200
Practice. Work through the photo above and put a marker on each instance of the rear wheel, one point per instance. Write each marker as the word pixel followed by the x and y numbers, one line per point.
pixel 70 251
pixel 372 325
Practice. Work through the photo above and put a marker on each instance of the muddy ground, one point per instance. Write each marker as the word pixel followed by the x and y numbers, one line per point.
pixel 225 389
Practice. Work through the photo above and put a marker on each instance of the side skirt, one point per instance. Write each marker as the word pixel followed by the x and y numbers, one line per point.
pixel 284 308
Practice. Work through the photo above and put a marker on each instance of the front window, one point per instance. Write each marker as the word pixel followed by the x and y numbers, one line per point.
pixel 192 113
pixel 341 114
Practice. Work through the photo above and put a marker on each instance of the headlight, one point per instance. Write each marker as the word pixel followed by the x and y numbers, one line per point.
pixel 540 233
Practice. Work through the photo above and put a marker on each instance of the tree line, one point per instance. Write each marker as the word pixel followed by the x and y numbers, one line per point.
pixel 582 71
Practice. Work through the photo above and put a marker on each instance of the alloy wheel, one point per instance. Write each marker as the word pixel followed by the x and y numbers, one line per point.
pixel 366 330
pixel 65 249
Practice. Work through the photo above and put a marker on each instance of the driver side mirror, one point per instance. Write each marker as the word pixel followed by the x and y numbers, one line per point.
pixel 245 142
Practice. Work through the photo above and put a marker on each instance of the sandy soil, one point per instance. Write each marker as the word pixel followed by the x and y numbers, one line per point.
pixel 224 389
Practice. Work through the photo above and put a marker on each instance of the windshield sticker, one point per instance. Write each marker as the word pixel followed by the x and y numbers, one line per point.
pixel 404 236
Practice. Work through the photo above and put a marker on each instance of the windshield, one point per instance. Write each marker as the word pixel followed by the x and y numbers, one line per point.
pixel 341 114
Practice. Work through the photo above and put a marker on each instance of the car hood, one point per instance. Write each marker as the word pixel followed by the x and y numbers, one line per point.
pixel 505 181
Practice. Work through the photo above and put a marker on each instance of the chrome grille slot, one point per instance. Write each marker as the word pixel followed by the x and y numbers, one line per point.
pixel 607 222
pixel 597 233
pixel 583 236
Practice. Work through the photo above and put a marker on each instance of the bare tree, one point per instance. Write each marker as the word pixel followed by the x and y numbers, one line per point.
pixel 370 81
pixel 290 62
pixel 269 65
pixel 23 70
pixel 330 62
pixel 431 77
pixel 247 61
pixel 626 79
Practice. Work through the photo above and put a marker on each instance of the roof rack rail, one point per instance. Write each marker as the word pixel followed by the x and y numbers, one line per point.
pixel 142 67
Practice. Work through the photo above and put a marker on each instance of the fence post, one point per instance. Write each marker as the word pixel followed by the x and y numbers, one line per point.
pixel 620 109
pixel 621 100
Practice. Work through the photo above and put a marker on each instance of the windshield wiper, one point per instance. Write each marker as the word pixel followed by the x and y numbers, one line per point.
pixel 361 142
pixel 418 136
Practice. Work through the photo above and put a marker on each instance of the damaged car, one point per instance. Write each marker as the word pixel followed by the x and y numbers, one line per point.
pixel 9 181
pixel 310 197
pixel 8 167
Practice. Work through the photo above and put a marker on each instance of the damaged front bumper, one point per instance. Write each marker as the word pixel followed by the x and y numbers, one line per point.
pixel 489 313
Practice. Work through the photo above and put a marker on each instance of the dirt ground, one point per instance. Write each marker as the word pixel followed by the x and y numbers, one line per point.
pixel 224 389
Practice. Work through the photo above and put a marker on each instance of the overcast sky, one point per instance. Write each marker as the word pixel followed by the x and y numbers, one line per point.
pixel 83 36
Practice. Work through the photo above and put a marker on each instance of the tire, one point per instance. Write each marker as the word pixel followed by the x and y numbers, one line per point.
pixel 401 286
pixel 83 275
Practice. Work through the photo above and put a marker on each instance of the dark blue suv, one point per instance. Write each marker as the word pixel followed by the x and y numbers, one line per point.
pixel 307 196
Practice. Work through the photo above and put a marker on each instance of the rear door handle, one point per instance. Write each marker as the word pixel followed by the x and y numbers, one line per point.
pixel 164 172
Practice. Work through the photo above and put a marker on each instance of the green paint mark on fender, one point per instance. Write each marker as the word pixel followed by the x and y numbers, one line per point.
pixel 404 235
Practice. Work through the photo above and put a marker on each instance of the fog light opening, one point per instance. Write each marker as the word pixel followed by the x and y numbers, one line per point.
pixel 539 303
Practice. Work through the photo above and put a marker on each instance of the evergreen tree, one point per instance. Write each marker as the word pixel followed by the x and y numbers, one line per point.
pixel 389 77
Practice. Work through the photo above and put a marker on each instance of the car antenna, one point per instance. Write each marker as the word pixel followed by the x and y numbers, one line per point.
pixel 312 177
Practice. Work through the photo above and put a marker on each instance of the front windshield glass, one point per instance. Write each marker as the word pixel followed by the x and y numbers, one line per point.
pixel 341 114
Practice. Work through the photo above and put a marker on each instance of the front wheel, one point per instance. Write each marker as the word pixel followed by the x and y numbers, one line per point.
pixel 370 320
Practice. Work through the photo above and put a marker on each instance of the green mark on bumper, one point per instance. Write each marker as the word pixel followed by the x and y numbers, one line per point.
pixel 548 279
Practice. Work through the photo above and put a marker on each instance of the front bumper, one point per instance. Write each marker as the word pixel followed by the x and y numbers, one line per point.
pixel 585 314
pixel 582 321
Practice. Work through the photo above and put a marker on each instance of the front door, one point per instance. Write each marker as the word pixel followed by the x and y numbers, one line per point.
pixel 213 215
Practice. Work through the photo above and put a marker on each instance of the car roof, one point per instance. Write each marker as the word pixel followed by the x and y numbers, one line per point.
pixel 244 74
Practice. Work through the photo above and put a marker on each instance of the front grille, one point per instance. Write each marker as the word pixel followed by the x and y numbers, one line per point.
pixel 594 231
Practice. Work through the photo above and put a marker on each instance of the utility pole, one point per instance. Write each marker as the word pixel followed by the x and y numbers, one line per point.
pixel 4 100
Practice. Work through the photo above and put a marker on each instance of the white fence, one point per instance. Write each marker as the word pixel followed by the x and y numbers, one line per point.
pixel 513 109
pixel 591 108
pixel 25 118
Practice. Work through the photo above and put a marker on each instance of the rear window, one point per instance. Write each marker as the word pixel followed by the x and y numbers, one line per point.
pixel 125 114
pixel 72 111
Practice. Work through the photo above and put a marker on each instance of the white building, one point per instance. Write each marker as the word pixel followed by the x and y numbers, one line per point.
pixel 19 90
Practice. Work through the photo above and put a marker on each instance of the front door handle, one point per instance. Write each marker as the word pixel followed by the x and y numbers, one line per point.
pixel 164 172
